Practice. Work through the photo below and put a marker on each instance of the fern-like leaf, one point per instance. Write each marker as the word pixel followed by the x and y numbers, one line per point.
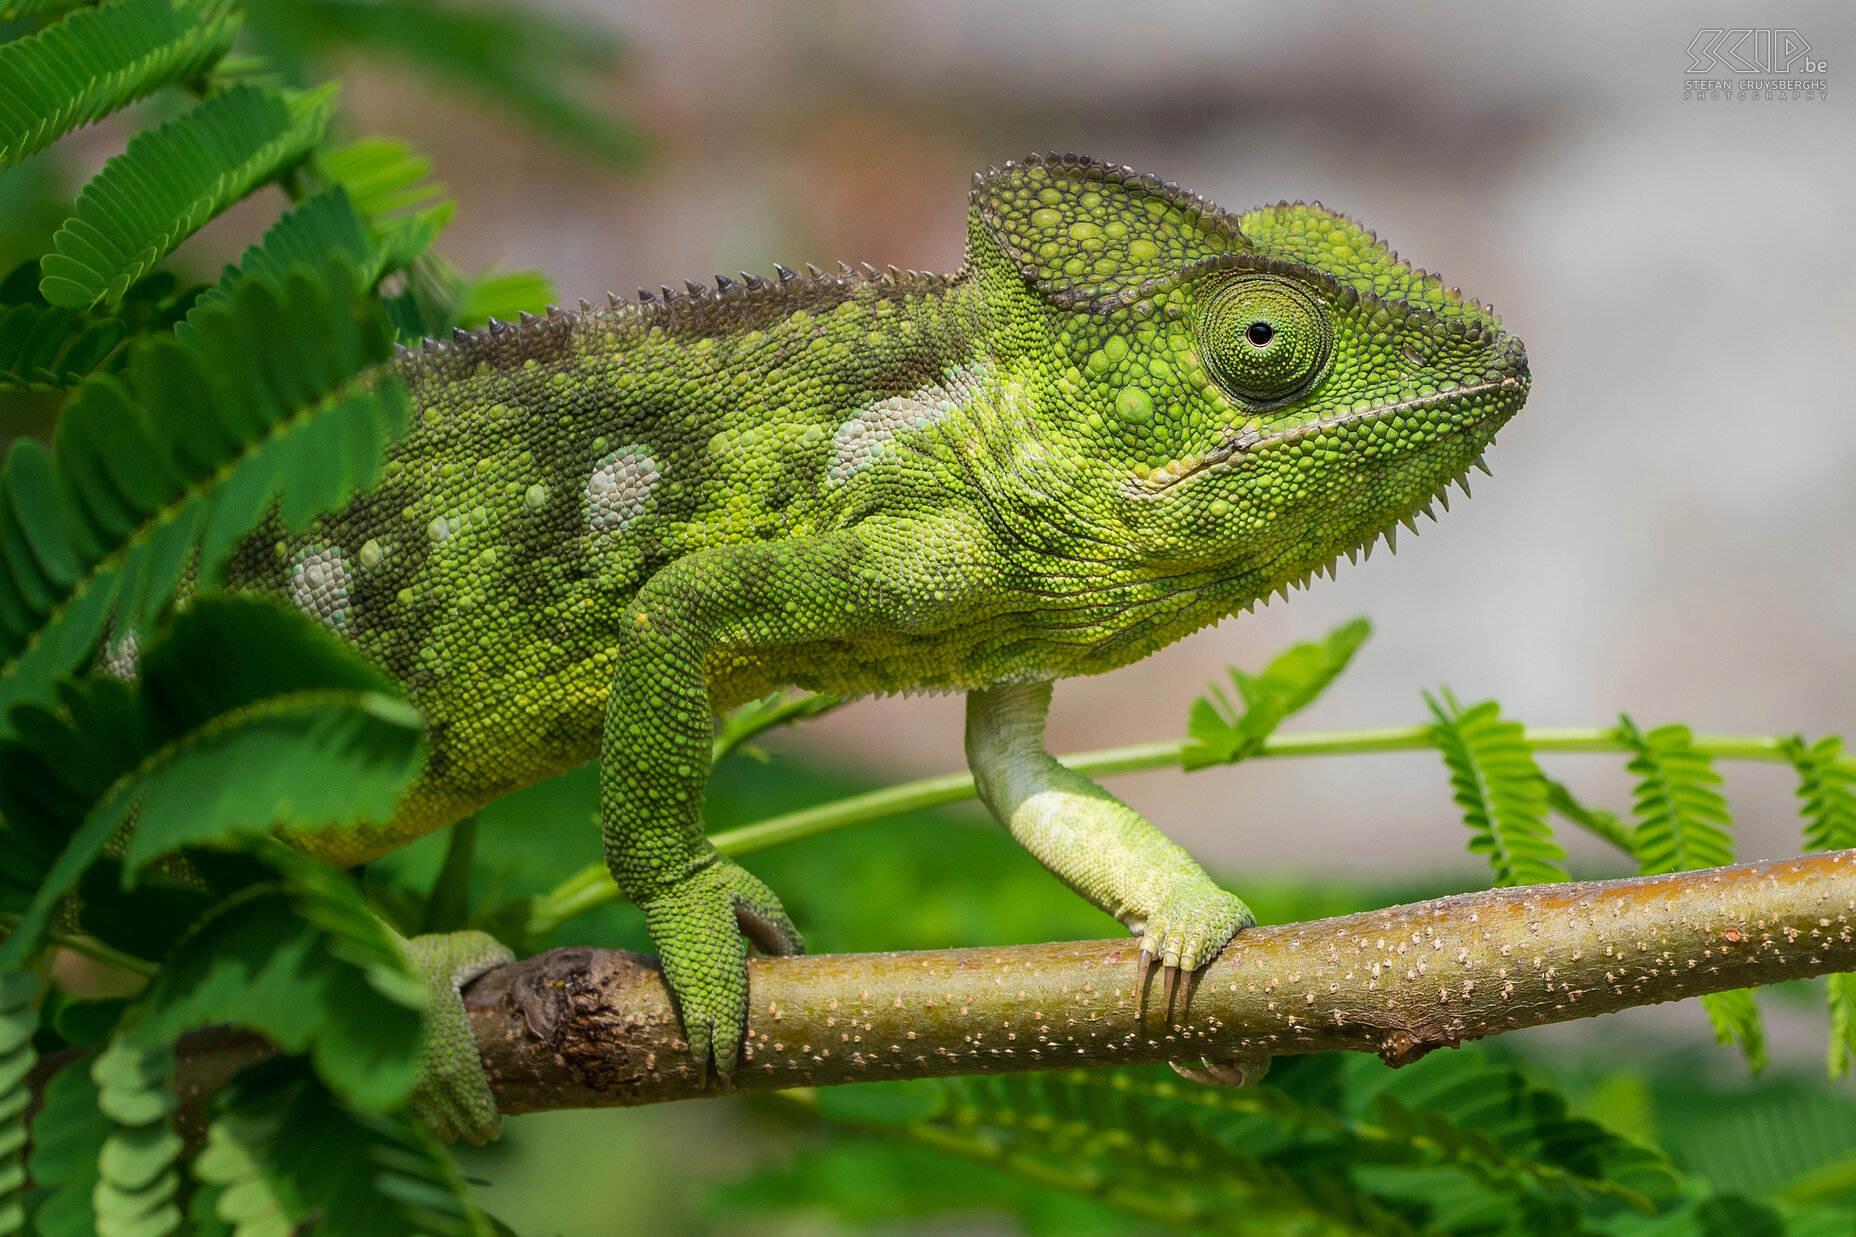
pixel 43 345
pixel 305 236
pixel 389 184
pixel 136 1179
pixel 1826 792
pixel 305 962
pixel 1734 1015
pixel 258 399
pixel 1500 789
pixel 67 1137
pixel 1682 823
pixel 1221 732
pixel 172 180
pixel 1827 800
pixel 1682 819
pixel 19 1018
pixel 97 60
pixel 284 1151
pixel 524 60
pixel 1840 992
pixel 245 705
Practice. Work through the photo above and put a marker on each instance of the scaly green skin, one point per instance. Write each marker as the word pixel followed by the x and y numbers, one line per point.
pixel 1128 416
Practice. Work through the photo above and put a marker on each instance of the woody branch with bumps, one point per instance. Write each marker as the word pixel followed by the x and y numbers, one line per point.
pixel 577 1028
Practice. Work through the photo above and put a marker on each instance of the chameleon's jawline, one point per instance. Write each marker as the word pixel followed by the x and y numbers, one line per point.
pixel 1245 446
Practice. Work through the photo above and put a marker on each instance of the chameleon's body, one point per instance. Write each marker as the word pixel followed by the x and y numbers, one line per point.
pixel 1128 416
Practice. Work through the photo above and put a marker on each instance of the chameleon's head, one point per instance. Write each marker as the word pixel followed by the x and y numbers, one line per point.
pixel 1258 392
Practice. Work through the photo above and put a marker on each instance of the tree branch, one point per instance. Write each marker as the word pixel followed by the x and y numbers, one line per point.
pixel 579 1028
pixel 582 1028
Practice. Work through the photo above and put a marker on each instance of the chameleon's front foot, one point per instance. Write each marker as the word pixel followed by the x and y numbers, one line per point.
pixel 697 925
pixel 1191 926
pixel 452 1094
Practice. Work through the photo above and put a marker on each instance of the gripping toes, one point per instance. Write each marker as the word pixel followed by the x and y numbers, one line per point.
pixel 1191 926
pixel 698 927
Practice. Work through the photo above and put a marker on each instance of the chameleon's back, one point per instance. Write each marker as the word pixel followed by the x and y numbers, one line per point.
pixel 553 466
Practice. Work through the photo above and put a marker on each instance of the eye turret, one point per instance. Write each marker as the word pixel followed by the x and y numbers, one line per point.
pixel 1263 338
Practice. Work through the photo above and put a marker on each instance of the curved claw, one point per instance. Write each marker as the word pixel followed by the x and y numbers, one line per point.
pixel 1188 930
pixel 698 925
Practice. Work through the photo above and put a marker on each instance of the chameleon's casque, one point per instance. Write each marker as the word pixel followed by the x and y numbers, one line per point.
pixel 1130 414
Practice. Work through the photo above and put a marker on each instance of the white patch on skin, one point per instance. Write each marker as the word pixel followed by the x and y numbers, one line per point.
pixel 320 585
pixel 620 488
pixel 122 657
pixel 863 439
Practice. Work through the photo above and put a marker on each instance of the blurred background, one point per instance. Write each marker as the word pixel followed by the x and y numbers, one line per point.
pixel 1668 531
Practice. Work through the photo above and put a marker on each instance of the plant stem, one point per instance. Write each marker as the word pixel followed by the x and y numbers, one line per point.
pixel 591 887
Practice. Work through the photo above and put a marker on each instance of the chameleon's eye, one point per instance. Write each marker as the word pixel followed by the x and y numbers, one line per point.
pixel 1263 338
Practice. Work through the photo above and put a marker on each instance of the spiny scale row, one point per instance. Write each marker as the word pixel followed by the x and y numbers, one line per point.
pixel 1389 533
pixel 666 296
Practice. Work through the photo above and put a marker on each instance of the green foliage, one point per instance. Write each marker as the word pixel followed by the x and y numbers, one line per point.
pixel 136 1180
pixel 521 60
pixel 304 961
pixel 171 467
pixel 184 417
pixel 95 61
pixel 1826 792
pixel 67 1138
pixel 42 345
pixel 19 1018
pixel 285 1151
pixel 1500 789
pixel 291 727
pixel 1734 1015
pixel 1450 1145
pixel 1221 733
pixel 1681 818
pixel 173 179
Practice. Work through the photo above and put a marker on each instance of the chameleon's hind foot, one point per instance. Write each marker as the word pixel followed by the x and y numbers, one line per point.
pixel 1191 927
pixel 697 926
pixel 452 1094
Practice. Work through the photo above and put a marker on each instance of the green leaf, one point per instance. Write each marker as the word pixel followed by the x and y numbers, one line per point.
pixel 184 459
pixel 1734 1016
pixel 19 1019
pixel 1450 1144
pixel 67 1137
pixel 95 61
pixel 1826 792
pixel 389 184
pixel 1221 733
pixel 136 1179
pixel 1500 789
pixel 1682 819
pixel 504 296
pixel 285 1149
pixel 304 236
pixel 304 962
pixel 47 346
pixel 523 60
pixel 170 181
pixel 250 716
pixel 1841 994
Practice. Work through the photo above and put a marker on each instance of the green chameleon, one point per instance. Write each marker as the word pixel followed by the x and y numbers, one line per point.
pixel 1128 416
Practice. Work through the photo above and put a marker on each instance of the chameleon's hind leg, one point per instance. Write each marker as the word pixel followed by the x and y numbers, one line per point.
pixel 1094 842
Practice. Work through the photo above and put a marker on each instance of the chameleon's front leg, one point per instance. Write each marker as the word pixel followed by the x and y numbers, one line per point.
pixel 655 749
pixel 1094 842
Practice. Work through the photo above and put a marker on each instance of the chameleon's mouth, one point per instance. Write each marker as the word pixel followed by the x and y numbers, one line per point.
pixel 1233 451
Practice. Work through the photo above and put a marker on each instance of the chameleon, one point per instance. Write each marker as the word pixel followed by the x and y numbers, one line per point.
pixel 1129 414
